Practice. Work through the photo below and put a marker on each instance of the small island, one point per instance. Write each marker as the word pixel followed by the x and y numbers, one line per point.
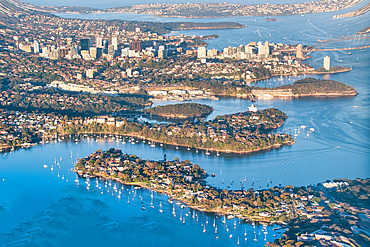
pixel 322 214
pixel 180 111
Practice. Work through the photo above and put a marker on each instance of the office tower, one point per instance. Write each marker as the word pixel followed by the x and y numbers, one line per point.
pixel 136 45
pixel 202 52
pixel 327 63
pixel 36 47
pixel 115 42
pixel 96 52
pixel 85 44
pixel 99 42
pixel 111 49
pixel 266 48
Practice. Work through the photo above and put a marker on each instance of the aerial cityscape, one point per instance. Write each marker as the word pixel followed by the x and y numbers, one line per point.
pixel 184 123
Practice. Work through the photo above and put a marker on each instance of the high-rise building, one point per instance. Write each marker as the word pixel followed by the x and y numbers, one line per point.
pixel 129 72
pixel 299 51
pixel 212 53
pixel 327 63
pixel 136 45
pixel 90 73
pixel 240 48
pixel 111 49
pixel 99 42
pixel 202 52
pixel 162 51
pixel 228 51
pixel 96 52
pixel 115 42
pixel 85 44
pixel 266 47
pixel 261 50
pixel 36 47
pixel 63 52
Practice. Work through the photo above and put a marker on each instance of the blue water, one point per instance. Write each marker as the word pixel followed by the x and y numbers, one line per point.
pixel 31 196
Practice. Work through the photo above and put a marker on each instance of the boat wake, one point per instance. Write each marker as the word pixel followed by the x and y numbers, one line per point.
pixel 18 242
pixel 152 224
pixel 110 225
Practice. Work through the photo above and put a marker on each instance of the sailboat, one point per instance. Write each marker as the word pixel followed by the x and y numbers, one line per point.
pixel 160 207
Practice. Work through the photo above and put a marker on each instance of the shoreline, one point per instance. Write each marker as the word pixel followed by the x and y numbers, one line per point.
pixel 289 143
pixel 171 197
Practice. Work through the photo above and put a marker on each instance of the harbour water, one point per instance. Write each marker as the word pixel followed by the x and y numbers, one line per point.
pixel 41 209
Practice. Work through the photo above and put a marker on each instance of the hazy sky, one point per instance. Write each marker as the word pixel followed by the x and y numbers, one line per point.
pixel 115 3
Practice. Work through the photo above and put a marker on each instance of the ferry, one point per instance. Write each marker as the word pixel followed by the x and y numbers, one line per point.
pixel 252 108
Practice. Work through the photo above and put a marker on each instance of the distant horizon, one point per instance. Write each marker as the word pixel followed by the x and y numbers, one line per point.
pixel 119 3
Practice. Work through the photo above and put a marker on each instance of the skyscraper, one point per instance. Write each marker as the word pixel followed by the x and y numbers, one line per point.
pixel 136 45
pixel 85 44
pixel 327 63
pixel 115 42
pixel 99 42
pixel 36 47
pixel 202 52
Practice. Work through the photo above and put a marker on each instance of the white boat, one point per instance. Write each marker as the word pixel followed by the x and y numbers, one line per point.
pixel 252 108
pixel 312 129
pixel 160 207
pixel 45 166
pixel 204 229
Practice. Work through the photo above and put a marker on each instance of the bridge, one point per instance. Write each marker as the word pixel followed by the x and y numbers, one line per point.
pixel 342 43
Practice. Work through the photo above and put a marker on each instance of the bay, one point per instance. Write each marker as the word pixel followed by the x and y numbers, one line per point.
pixel 31 195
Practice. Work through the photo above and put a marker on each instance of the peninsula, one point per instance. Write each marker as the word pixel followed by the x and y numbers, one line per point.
pixel 244 132
pixel 324 213
pixel 308 87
